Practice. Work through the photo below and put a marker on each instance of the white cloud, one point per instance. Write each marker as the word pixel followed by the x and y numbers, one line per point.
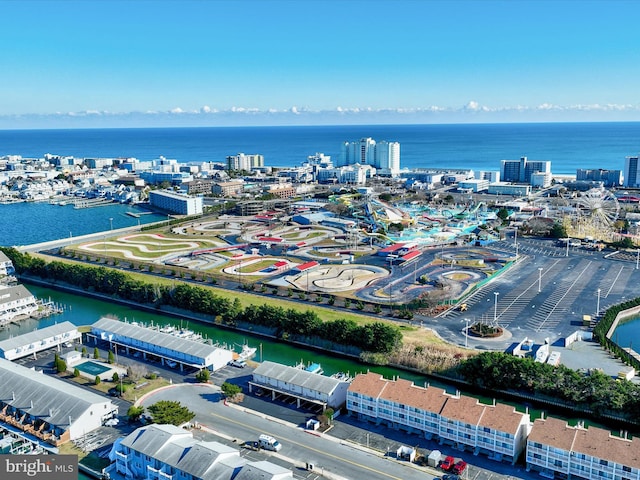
pixel 177 110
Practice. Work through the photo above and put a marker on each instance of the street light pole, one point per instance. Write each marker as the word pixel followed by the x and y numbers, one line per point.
pixel 466 333
pixel 110 223
pixel 539 279
pixel 495 307
pixel 637 258
pixel 598 304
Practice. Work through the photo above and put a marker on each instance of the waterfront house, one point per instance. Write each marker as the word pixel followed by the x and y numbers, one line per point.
pixel 6 265
pixel 15 302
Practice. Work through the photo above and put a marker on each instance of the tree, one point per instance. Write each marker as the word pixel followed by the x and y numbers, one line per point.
pixel 558 231
pixel 115 377
pixel 60 365
pixel 110 358
pixel 96 353
pixel 134 413
pixel 230 390
pixel 171 412
pixel 97 380
pixel 203 376
pixel 76 372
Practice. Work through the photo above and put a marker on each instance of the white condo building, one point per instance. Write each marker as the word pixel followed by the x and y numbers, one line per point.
pixel 167 452
pixel 176 203
pixel 383 156
pixel 6 265
pixel 16 301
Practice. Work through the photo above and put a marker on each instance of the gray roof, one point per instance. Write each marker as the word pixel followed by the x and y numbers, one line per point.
pixel 297 376
pixel 3 257
pixel 262 470
pixel 176 447
pixel 164 340
pixel 14 293
pixel 36 335
pixel 19 386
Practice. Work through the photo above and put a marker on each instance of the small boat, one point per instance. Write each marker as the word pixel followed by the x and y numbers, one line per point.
pixel 312 367
pixel 247 352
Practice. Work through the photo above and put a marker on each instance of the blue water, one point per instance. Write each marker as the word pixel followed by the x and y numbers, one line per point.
pixel 567 145
pixel 28 223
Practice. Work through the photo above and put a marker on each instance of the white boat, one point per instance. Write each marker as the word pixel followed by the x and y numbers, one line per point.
pixel 247 352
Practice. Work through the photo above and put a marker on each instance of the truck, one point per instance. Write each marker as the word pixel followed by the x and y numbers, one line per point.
pixel 447 463
pixel 269 443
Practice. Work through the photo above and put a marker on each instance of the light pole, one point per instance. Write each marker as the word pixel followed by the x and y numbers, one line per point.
pixel 598 304
pixel 495 307
pixel 466 333
pixel 567 253
pixel 539 279
pixel 637 258
pixel 110 223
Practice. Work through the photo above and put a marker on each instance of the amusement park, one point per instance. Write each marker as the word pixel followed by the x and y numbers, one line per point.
pixel 443 263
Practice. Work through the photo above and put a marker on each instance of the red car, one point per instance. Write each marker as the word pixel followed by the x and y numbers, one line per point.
pixel 447 463
pixel 459 467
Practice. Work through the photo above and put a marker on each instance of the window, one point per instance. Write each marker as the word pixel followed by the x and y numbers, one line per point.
pixel 604 462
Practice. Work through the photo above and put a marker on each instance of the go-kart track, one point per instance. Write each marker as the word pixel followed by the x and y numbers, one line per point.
pixel 542 295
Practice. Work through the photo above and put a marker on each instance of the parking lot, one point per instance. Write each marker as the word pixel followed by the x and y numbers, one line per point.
pixel 545 295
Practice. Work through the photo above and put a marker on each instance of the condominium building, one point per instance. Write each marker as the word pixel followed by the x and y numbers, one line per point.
pixel 498 431
pixel 384 156
pixel 168 452
pixel 228 189
pixel 16 301
pixel 242 161
pixel 177 203
pixel 520 171
pixel 632 172
pixel 556 449
pixel 609 178
pixel 6 265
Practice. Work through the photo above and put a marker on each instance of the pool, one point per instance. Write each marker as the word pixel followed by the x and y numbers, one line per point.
pixel 92 368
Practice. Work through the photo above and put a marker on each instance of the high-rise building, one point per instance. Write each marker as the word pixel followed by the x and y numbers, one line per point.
pixel 520 171
pixel 384 156
pixel 609 178
pixel 631 172
pixel 242 161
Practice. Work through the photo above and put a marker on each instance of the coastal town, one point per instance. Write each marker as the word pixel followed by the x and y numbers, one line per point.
pixel 458 253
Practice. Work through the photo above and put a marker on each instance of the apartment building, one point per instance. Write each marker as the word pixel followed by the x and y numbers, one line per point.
pixel 498 431
pixel 556 449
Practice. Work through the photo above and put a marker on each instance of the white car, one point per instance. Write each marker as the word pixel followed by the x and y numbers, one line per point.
pixel 238 363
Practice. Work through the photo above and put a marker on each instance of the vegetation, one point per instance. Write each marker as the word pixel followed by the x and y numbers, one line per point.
pixel 171 412
pixel 376 337
pixel 110 358
pixel 230 390
pixel 134 413
pixel 59 364
pixel 203 376
pixel 603 326
pixel 597 393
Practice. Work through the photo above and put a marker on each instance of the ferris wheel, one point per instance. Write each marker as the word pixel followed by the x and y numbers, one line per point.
pixel 599 207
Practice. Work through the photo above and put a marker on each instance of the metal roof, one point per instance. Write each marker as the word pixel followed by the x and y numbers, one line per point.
pixel 176 447
pixel 37 335
pixel 11 294
pixel 154 337
pixel 53 400
pixel 296 376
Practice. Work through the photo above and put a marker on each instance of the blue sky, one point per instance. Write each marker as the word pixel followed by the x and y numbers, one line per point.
pixel 149 62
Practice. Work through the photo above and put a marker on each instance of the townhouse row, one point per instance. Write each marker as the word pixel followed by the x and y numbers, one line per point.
pixel 499 431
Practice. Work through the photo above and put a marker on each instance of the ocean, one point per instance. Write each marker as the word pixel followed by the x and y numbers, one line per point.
pixel 469 146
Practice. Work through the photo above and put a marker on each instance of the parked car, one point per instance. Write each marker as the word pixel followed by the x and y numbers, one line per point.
pixel 447 463
pixel 238 363
pixel 450 476
pixel 459 467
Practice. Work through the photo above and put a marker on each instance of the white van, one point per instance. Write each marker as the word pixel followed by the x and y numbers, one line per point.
pixel 269 443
